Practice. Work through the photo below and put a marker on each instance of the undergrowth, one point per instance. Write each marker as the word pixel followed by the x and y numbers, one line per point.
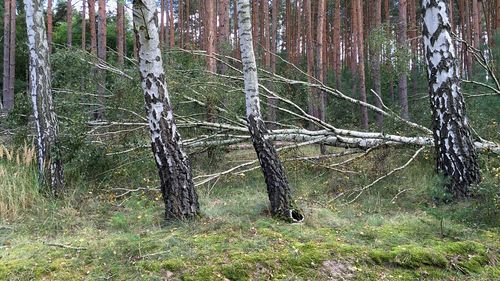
pixel 397 230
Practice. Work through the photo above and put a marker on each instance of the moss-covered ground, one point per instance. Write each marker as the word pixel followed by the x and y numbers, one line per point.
pixel 398 230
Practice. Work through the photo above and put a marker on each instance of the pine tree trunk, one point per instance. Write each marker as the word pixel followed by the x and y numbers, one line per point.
pixel 403 79
pixel 273 102
pixel 223 32
pixel 92 27
pixel 255 25
pixel 274 174
pixel 12 54
pixel 187 41
pixel 311 104
pixel 7 99
pixel 377 21
pixel 172 30
pixel 237 53
pixel 475 24
pixel 162 21
pixel 69 23
pixel 455 152
pixel 319 95
pixel 361 65
pixel 49 159
pixel 101 55
pixel 336 41
pixel 120 32
pixel 49 24
pixel 177 184
pixel 84 25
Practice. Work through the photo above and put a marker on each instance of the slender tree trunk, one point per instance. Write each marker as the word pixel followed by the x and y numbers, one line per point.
pixel 361 65
pixel 376 60
pixel 497 15
pixel 455 152
pixel 173 165
pixel 188 22
pixel 162 21
pixel 101 55
pixel 172 30
pixel 49 159
pixel 84 25
pixel 180 23
pixel 336 41
pixel 235 30
pixel 120 31
pixel 223 32
pixel 403 79
pixel 312 108
pixel 92 27
pixel 7 99
pixel 475 24
pixel 387 12
pixel 12 54
pixel 274 174
pixel 255 25
pixel 69 23
pixel 49 24
pixel 320 96
pixel 288 28
pixel 273 102
pixel 210 35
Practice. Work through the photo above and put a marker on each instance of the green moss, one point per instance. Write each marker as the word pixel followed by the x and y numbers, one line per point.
pixel 236 271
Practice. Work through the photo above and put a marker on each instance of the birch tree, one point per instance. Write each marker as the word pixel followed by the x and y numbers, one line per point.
pixel 274 174
pixel 49 161
pixel 177 186
pixel 455 153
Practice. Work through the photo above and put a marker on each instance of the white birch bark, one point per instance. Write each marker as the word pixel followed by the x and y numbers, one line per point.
pixel 177 186
pixel 49 159
pixel 274 174
pixel 456 156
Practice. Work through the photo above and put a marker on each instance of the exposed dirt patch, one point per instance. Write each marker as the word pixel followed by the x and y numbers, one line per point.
pixel 337 270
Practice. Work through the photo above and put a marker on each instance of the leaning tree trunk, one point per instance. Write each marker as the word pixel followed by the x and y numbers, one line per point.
pixel 456 157
pixel 177 184
pixel 49 160
pixel 274 174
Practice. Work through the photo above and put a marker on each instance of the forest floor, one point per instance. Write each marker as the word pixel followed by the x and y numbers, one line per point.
pixel 396 230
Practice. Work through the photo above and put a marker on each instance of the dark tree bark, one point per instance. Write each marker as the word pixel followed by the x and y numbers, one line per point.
pixel 455 152
pixel 12 54
pixel 274 174
pixel 120 31
pixel 336 41
pixel 273 102
pixel 361 65
pixel 177 186
pixel 69 23
pixel 49 24
pixel 101 55
pixel 403 79
pixel 8 101
pixel 84 25
pixel 237 53
pixel 376 60
pixel 171 27
pixel 162 21
pixel 49 160
pixel 311 104
pixel 320 62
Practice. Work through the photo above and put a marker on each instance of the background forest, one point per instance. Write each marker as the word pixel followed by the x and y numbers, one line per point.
pixel 344 93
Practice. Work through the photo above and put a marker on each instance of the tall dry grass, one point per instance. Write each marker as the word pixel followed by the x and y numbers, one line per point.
pixel 18 182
